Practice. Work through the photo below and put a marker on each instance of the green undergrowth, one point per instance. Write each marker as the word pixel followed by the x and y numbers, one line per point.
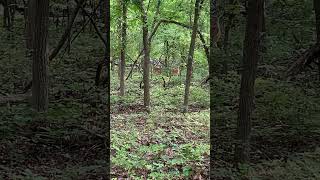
pixel 160 144
pixel 299 166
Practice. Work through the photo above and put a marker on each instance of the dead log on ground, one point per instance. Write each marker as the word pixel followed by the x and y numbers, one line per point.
pixel 305 60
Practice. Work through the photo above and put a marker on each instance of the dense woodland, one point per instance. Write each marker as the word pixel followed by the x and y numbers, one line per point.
pixel 164 89
pixel 54 119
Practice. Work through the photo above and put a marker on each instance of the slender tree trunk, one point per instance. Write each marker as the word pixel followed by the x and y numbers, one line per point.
pixel 119 31
pixel 63 39
pixel 6 14
pixel 316 5
pixel 83 20
pixel 212 67
pixel 122 65
pixel 69 22
pixel 166 58
pixel 90 25
pixel 227 29
pixel 13 5
pixel 156 15
pixel 190 55
pixel 40 57
pixel 263 42
pixel 28 32
pixel 251 57
pixel 107 65
pixel 146 61
pixel 101 12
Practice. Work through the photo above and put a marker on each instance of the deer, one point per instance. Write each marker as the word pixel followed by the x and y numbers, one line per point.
pixel 175 71
pixel 158 68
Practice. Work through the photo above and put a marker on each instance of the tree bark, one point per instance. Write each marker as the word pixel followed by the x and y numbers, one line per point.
pixel 146 61
pixel 39 54
pixel 226 36
pixel 69 22
pixel 101 12
pixel 190 55
pixel 213 34
pixel 316 5
pixel 122 66
pixel 251 57
pixel 107 65
pixel 28 32
pixel 62 40
pixel 13 6
pixel 6 14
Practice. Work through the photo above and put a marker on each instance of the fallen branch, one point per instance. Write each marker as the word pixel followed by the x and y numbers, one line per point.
pixel 94 25
pixel 305 60
pixel 66 32
pixel 83 26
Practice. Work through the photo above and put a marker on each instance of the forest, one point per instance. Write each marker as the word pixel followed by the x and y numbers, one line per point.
pixel 155 89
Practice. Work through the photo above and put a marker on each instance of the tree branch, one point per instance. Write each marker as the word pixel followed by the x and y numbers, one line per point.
pixel 66 32
pixel 165 21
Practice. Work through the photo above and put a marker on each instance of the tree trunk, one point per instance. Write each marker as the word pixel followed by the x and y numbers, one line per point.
pixel 69 22
pixel 101 12
pixel 251 57
pixel 146 61
pixel 122 65
pixel 316 5
pixel 107 64
pixel 156 15
pixel 90 25
pixel 212 67
pixel 228 28
pixel 39 55
pixel 263 42
pixel 119 31
pixel 6 15
pixel 28 24
pixel 83 20
pixel 166 58
pixel 190 55
pixel 226 36
pixel 12 5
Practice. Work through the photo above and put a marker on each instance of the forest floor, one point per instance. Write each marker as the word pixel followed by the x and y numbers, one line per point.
pixel 165 144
